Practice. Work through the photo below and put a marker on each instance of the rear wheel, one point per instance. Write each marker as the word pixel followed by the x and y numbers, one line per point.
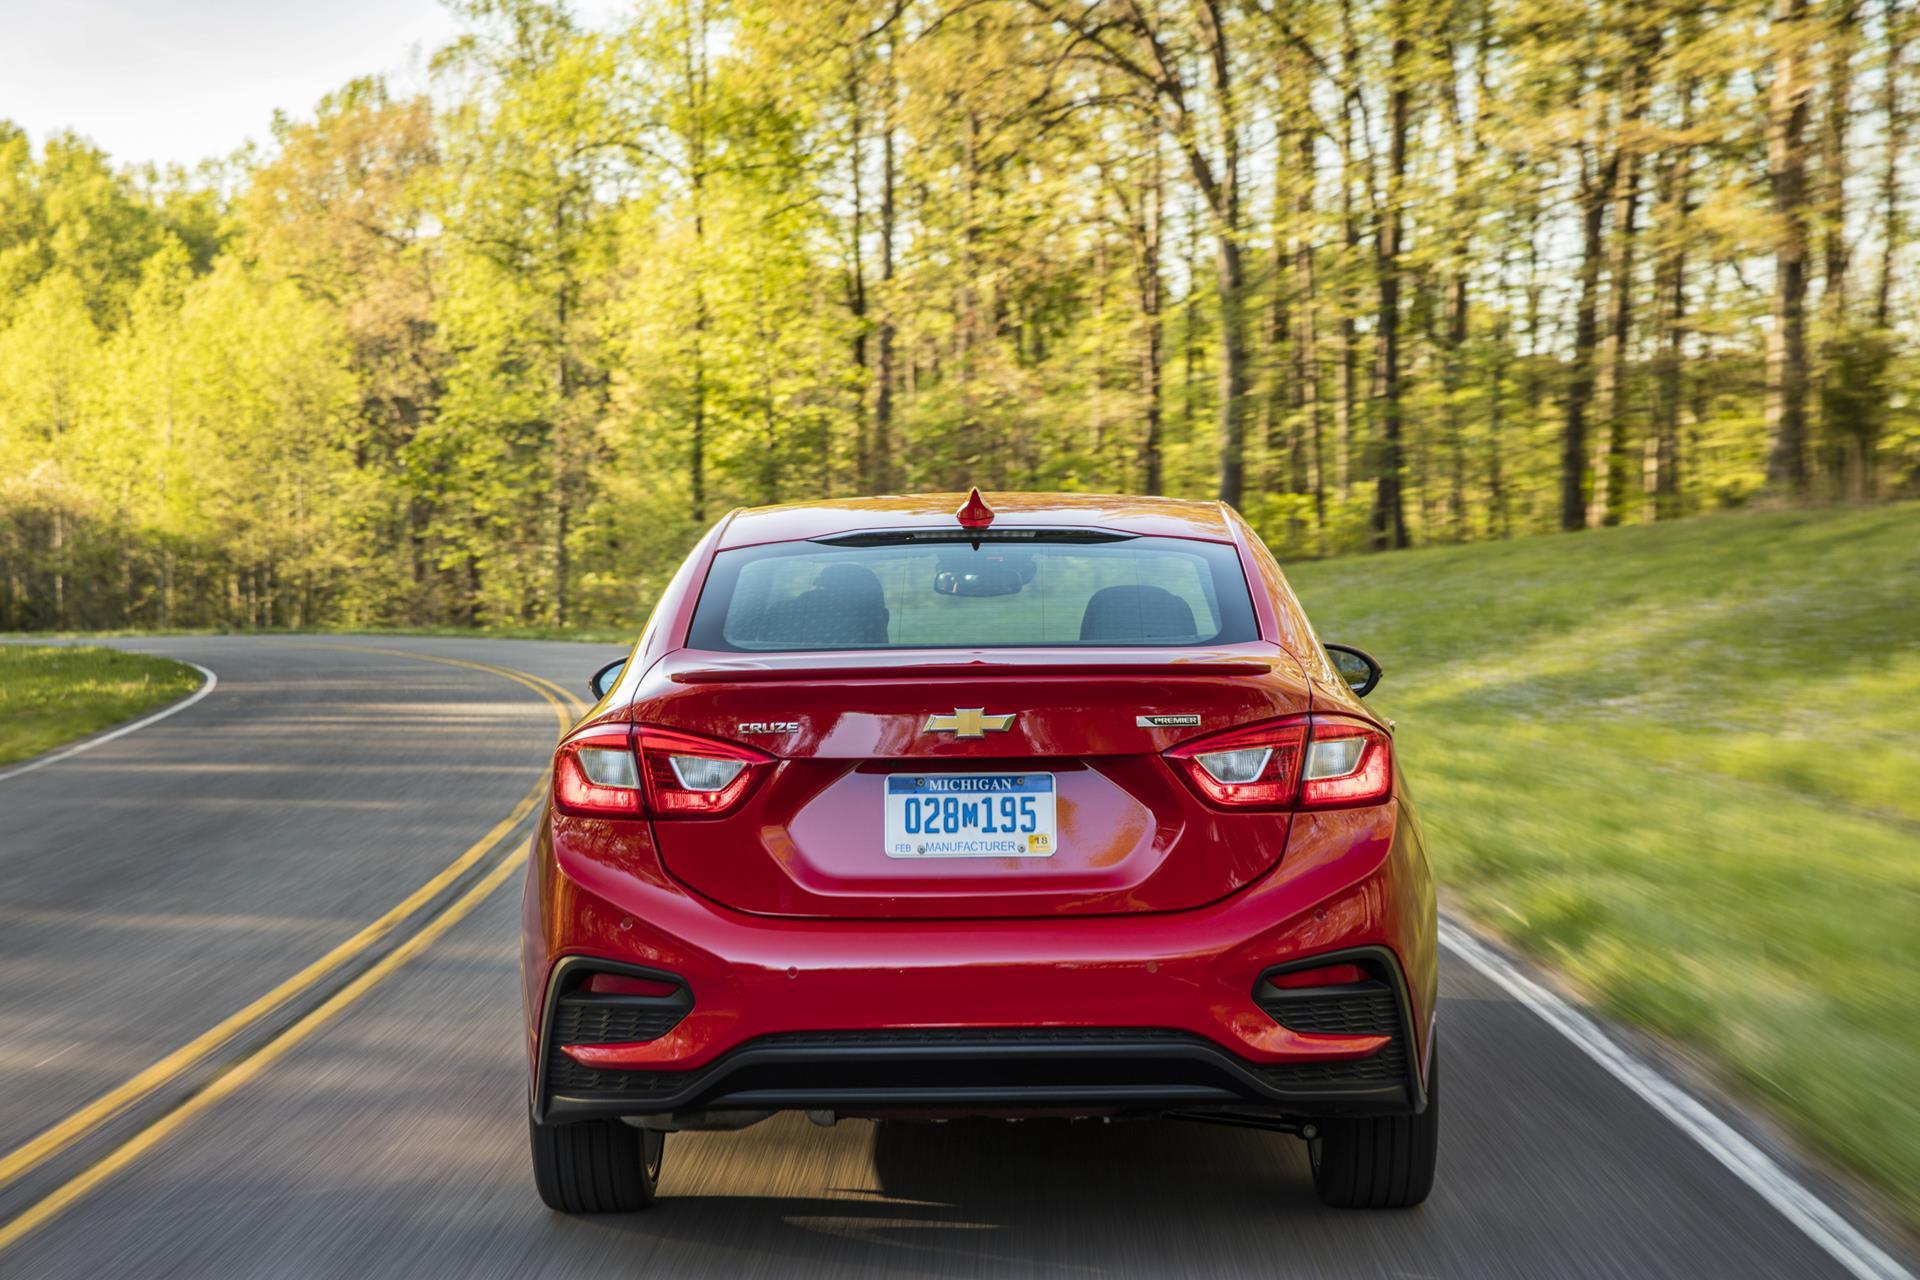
pixel 596 1166
pixel 1379 1162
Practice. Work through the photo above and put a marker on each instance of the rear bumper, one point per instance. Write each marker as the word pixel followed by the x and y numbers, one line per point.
pixel 1088 1015
pixel 1079 1071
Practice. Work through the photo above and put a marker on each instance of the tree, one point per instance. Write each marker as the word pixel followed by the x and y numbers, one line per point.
pixel 1186 64
pixel 1426 270
pixel 1787 180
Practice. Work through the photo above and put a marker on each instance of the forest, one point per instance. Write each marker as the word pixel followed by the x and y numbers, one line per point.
pixel 1379 273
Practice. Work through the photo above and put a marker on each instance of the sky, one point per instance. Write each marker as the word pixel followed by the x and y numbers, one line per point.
pixel 185 80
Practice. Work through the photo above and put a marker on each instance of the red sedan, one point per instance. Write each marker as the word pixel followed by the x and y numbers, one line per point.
pixel 1053 807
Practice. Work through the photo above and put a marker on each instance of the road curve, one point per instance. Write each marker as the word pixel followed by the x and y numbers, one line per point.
pixel 370 1124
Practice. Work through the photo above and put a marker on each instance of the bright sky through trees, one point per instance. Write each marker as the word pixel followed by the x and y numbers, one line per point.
pixel 181 81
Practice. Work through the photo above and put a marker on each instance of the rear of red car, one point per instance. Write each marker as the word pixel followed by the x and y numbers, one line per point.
pixel 1059 811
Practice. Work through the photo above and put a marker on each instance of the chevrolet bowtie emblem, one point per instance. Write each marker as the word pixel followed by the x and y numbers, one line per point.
pixel 968 722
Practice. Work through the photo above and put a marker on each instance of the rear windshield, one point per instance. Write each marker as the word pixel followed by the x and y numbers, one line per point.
pixel 791 596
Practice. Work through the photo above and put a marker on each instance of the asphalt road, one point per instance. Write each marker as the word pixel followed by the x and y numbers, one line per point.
pixel 371 1123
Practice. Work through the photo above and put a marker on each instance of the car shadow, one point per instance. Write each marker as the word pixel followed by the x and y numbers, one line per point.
pixel 993 1197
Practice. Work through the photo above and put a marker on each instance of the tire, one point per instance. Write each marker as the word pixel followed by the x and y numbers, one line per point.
pixel 1379 1162
pixel 595 1166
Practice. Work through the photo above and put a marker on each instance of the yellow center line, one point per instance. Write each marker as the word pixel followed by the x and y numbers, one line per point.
pixel 91 1116
pixel 248 1068
pixel 524 677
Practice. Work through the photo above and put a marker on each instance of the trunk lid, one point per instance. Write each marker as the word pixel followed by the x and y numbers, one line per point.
pixel 1129 834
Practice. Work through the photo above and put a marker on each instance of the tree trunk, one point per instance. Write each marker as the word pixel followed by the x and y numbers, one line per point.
pixel 880 479
pixel 1231 282
pixel 695 54
pixel 1594 189
pixel 863 338
pixel 1389 525
pixel 1456 306
pixel 1190 331
pixel 1894 122
pixel 1497 521
pixel 1786 410
pixel 1346 412
pixel 1843 35
pixel 1615 471
pixel 1148 224
pixel 562 444
pixel 1276 429
pixel 1306 359
pixel 1346 422
pixel 1675 201
pixel 1218 178
pixel 1847 402
pixel 1464 153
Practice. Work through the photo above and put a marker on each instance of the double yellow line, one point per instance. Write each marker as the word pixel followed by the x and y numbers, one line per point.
pixel 17 1163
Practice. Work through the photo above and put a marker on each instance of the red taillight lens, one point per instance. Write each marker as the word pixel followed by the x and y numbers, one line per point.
pixel 1306 762
pixel 1256 766
pixel 595 775
pixel 1348 763
pixel 691 777
pixel 662 773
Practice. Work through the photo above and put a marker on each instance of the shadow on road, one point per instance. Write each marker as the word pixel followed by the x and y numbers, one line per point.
pixel 989 1196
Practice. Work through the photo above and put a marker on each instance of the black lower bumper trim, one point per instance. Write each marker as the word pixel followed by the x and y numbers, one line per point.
pixel 1083 1070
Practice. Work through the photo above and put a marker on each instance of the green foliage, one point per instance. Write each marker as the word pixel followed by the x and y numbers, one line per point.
pixel 1678 764
pixel 52 695
pixel 497 357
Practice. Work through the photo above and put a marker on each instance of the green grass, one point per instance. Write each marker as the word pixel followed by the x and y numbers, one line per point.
pixel 1680 764
pixel 53 695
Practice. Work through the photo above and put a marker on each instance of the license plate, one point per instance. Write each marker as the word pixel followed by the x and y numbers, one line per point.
pixel 970 815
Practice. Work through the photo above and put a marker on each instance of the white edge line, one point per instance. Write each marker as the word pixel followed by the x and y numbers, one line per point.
pixel 1842 1241
pixel 40 762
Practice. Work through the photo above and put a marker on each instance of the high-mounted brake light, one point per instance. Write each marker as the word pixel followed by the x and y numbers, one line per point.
pixel 1304 762
pixel 649 772
pixel 976 514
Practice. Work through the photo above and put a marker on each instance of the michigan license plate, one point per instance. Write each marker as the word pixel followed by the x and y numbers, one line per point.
pixel 970 815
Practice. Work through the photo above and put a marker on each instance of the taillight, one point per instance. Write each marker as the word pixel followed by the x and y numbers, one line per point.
pixel 1258 765
pixel 1305 762
pixel 690 777
pixel 596 775
pixel 1349 763
pixel 629 773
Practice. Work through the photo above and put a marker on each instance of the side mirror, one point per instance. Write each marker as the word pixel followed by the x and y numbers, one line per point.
pixel 1356 666
pixel 604 678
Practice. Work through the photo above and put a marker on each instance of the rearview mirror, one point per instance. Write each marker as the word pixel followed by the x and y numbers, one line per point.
pixel 979 580
pixel 1356 666
pixel 605 677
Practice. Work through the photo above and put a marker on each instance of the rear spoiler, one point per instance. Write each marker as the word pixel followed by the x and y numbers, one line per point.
pixel 841 668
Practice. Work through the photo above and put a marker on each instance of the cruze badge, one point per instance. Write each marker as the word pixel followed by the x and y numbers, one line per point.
pixel 768 726
pixel 968 722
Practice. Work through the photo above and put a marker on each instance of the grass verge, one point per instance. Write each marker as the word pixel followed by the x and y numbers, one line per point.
pixel 1679 763
pixel 52 695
